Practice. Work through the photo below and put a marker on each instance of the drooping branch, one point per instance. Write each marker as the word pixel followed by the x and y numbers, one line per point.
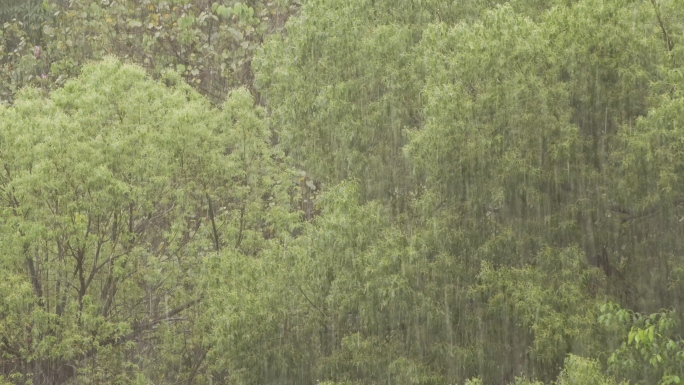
pixel 666 37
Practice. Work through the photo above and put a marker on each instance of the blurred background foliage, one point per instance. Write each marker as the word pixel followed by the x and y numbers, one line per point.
pixel 210 43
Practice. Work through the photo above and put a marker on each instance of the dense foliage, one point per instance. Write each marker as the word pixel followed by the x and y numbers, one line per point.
pixel 371 192
pixel 210 43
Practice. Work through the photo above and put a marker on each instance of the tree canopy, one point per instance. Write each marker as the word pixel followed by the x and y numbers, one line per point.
pixel 342 192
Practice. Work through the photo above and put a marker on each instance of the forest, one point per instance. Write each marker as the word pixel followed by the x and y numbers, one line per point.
pixel 341 192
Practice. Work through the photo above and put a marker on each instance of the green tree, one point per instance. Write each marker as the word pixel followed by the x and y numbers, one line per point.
pixel 344 84
pixel 502 135
pixel 494 172
pixel 115 189
pixel 650 351
pixel 210 43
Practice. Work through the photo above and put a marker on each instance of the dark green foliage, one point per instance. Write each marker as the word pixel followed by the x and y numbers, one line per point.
pixel 210 43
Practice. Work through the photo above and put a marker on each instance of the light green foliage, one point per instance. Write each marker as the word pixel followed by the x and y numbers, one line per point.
pixel 361 285
pixel 497 149
pixel 651 349
pixel 498 175
pixel 342 302
pixel 114 189
pixel 583 371
pixel 353 299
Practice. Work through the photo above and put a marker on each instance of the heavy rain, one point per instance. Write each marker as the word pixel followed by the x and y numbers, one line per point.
pixel 341 192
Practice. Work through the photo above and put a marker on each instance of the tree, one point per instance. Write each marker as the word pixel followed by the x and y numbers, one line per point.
pixel 115 189
pixel 344 84
pixel 495 176
pixel 210 43
pixel 499 134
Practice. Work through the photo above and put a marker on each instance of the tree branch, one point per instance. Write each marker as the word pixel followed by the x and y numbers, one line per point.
pixel 311 302
pixel 217 245
pixel 631 216
pixel 666 37
pixel 138 329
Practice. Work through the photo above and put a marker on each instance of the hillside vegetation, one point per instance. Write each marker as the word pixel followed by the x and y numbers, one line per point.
pixel 342 192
